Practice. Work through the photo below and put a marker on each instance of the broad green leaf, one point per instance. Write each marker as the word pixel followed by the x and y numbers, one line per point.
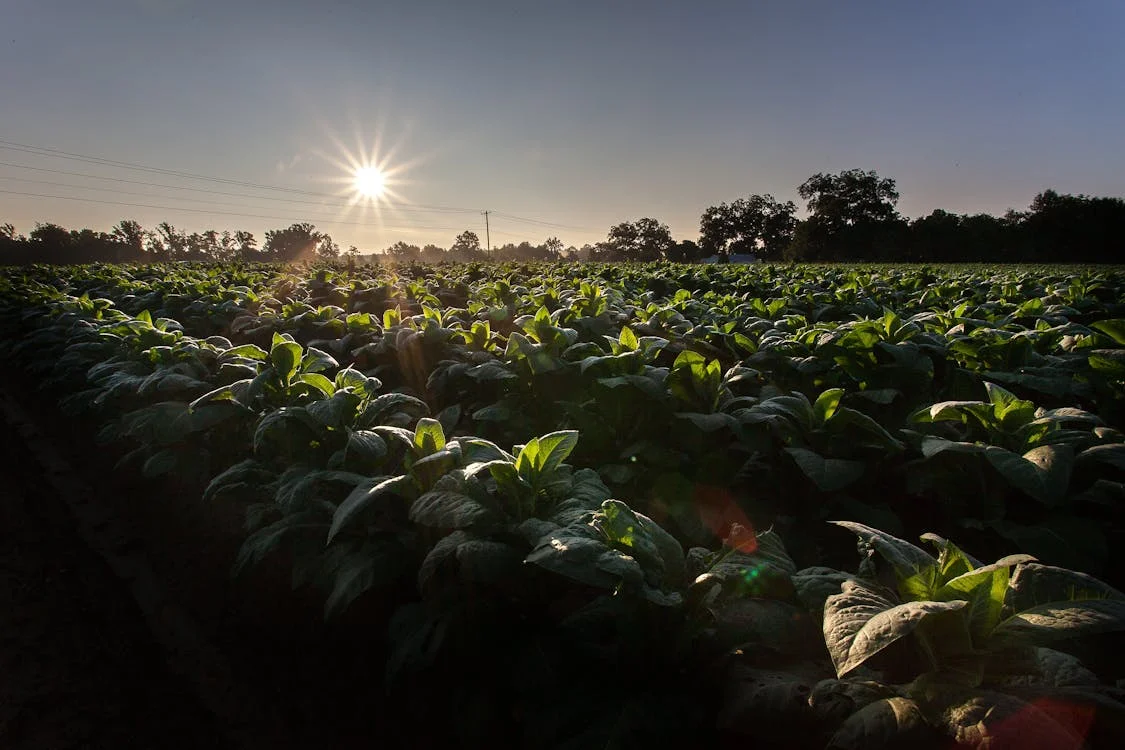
pixel 429 438
pixel 770 549
pixel 356 575
pixel 948 411
pixel 286 431
pixel 398 434
pixel 382 409
pixel 829 474
pixel 814 586
pixel 479 450
pixel 998 396
pixel 628 339
pixel 429 469
pixel 365 445
pixel 222 393
pixel 245 478
pixel 1112 455
pixel 952 561
pixel 985 590
pixel 554 448
pixel 285 356
pixel 449 417
pixel 931 446
pixel 654 548
pixel 160 463
pixel 1109 362
pixel 448 508
pixel 337 411
pixel 915 569
pixel 1049 604
pixel 826 403
pixel 796 409
pixel 861 621
pixel 866 425
pixel 709 422
pixel 363 497
pixel 299 488
pixel 487 561
pixel 316 360
pixel 508 480
pixel 265 540
pixel 1043 472
pixel 887 722
pixel 444 550
pixel 1114 328
pixel 580 553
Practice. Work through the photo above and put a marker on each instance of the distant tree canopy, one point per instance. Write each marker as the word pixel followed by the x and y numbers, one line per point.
pixel 1077 227
pixel 466 247
pixel 758 224
pixel 640 240
pixel 298 242
pixel 852 215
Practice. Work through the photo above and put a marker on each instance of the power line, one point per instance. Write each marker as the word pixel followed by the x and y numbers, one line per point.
pixel 56 153
pixel 224 213
pixel 149 195
pixel 210 191
pixel 510 217
pixel 61 154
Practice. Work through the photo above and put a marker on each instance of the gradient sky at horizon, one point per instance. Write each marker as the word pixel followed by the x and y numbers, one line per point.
pixel 577 114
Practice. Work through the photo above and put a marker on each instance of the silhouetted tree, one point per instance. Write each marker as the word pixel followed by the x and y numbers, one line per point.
pixel 402 252
pixel 640 240
pixel 50 235
pixel 937 238
pixel 246 245
pixel 130 233
pixel 1074 228
pixel 466 247
pixel 552 248
pixel 297 242
pixel 327 249
pixel 853 216
pixel 758 224
pixel 433 254
pixel 685 252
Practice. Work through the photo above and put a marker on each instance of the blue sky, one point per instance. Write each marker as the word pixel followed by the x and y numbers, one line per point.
pixel 577 114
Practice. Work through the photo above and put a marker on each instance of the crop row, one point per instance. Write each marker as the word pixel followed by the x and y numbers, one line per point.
pixel 537 446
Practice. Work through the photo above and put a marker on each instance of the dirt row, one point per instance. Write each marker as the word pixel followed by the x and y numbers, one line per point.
pixel 121 626
pixel 79 667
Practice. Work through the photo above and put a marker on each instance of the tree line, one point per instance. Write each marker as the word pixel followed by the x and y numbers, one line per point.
pixel 852 216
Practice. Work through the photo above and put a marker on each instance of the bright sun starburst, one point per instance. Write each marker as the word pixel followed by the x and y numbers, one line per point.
pixel 370 182
pixel 367 179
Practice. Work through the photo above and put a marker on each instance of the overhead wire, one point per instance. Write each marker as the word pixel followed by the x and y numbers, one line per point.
pixel 223 213
pixel 209 190
pixel 86 158
pixel 304 213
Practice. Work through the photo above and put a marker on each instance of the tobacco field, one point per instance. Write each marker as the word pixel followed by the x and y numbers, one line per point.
pixel 644 505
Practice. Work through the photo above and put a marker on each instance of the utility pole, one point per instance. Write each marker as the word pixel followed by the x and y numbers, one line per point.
pixel 487 239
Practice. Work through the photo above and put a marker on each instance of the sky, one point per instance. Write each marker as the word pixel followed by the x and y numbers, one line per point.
pixel 561 118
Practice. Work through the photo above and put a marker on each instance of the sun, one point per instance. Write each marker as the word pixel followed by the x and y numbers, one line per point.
pixel 370 182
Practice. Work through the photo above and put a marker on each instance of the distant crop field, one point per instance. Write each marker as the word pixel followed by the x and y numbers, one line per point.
pixel 586 469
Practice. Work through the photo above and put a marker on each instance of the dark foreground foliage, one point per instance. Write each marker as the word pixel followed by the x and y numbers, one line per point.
pixel 611 485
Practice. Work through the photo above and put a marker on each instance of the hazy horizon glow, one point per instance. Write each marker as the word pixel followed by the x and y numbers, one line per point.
pixel 560 119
